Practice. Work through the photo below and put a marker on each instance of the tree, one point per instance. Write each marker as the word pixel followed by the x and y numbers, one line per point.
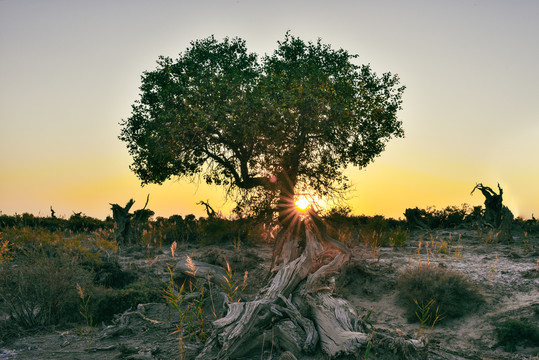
pixel 283 123
pixel 270 127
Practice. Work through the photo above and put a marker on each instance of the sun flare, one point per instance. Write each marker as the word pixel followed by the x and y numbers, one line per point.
pixel 302 204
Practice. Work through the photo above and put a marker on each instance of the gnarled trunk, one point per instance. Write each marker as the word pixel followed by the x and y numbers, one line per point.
pixel 296 313
pixel 497 215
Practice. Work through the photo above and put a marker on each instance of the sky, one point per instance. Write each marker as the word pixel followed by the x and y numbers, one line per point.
pixel 70 71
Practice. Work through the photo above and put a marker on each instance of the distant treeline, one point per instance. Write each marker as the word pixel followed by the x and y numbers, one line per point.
pixel 218 228
pixel 76 222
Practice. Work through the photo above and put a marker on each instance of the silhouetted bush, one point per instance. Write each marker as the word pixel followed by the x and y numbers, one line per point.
pixel 76 223
pixel 450 217
pixel 454 295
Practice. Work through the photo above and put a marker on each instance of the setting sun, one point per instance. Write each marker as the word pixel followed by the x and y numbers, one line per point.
pixel 302 204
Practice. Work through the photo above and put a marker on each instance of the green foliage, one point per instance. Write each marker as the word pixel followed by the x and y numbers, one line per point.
pixel 41 284
pixel 372 230
pixel 513 332
pixel 451 291
pixel 426 315
pixel 292 119
pixel 398 237
pixel 188 307
pixel 218 230
pixel 165 231
pixel 232 286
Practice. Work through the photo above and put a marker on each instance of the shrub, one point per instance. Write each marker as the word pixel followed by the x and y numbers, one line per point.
pixel 110 274
pixel 513 332
pixel 41 270
pixel 40 290
pixel 106 302
pixel 453 294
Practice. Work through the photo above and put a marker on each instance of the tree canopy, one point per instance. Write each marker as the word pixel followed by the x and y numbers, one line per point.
pixel 278 123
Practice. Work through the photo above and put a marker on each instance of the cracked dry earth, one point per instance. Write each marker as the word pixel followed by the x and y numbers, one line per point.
pixel 507 274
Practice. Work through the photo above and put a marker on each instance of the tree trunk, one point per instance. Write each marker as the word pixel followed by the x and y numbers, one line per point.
pixel 296 313
pixel 122 218
pixel 128 226
pixel 498 216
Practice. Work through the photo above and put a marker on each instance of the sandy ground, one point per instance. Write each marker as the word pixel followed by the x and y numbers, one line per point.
pixel 508 276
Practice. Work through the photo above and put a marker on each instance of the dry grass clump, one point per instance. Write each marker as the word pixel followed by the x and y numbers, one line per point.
pixel 453 294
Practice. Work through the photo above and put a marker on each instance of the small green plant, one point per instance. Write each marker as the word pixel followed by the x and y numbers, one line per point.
pixel 527 244
pixel 366 319
pixel 458 250
pixel 425 316
pixel 513 332
pixel 398 237
pixel 192 323
pixel 374 241
pixel 369 346
pixel 491 237
pixel 85 308
pixel 231 286
pixel 237 242
pixel 86 332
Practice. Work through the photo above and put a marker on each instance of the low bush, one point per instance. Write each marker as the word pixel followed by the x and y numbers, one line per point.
pixel 513 332
pixel 104 302
pixel 110 274
pixel 454 295
pixel 41 269
pixel 39 290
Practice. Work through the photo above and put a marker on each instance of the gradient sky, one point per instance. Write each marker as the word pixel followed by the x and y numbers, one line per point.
pixel 70 71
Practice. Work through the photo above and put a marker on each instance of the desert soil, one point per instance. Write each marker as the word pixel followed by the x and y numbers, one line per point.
pixel 508 276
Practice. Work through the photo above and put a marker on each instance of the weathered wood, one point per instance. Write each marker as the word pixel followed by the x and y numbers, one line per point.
pixel 333 319
pixel 122 219
pixel 497 215
pixel 128 227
